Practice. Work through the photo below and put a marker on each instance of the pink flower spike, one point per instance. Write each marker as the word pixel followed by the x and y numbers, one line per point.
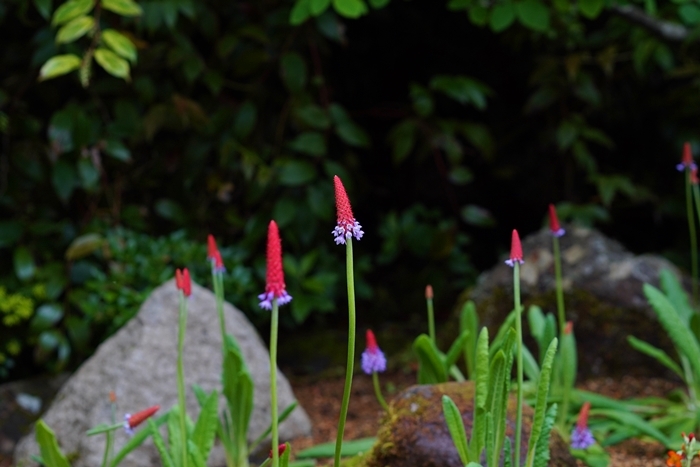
pixel 687 159
pixel 218 263
pixel 554 226
pixel 373 359
pixel 211 247
pixel 347 225
pixel 132 421
pixel 516 250
pixel 275 287
pixel 178 279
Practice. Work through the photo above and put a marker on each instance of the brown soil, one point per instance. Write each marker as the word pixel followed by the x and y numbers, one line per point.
pixel 321 399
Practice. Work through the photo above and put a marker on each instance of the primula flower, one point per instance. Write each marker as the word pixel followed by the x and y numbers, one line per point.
pixel 516 250
pixel 280 450
pixel 132 421
pixel 429 292
pixel 554 226
pixel 274 285
pixel 581 437
pixel 569 328
pixel 214 255
pixel 373 358
pixel 687 160
pixel 347 225
pixel 183 282
pixel 674 459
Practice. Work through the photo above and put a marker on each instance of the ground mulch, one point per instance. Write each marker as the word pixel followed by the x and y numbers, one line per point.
pixel 321 398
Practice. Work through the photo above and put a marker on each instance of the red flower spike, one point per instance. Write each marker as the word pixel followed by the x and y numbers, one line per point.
pixel 280 450
pixel 687 159
pixel 186 283
pixel 373 359
pixel 582 421
pixel 179 280
pixel 132 421
pixel 429 292
pixel 211 247
pixel 275 286
pixel 516 250
pixel 554 226
pixel 569 328
pixel 371 341
pixel 218 262
pixel 347 227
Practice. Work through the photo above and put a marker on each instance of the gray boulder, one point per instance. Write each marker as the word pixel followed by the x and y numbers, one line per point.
pixel 139 364
pixel 603 297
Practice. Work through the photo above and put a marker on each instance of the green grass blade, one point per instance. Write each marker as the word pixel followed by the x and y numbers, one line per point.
pixel 455 425
pixel 51 454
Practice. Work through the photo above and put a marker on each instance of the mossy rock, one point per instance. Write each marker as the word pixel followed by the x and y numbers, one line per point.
pixel 413 433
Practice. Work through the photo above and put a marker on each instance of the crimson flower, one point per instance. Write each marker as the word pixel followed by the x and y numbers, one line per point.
pixel 280 450
pixel 132 421
pixel 347 225
pixel 183 282
pixel 214 255
pixel 274 285
pixel 373 359
pixel 581 437
pixel 554 226
pixel 687 159
pixel 428 292
pixel 516 250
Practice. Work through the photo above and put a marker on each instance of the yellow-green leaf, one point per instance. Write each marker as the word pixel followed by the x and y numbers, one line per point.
pixel 71 10
pixel 59 65
pixel 120 44
pixel 75 29
pixel 122 7
pixel 112 63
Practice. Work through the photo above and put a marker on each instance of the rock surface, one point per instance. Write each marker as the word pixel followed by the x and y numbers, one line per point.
pixel 603 296
pixel 414 433
pixel 139 364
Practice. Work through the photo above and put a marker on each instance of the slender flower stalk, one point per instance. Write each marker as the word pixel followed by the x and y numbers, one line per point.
pixel 687 166
pixel 374 362
pixel 514 261
pixel 184 284
pixel 275 295
pixel 109 436
pixel 217 276
pixel 581 437
pixel 346 228
pixel 431 313
pixel 557 232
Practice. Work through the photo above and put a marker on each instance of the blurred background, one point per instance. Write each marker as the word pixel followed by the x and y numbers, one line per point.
pixel 450 123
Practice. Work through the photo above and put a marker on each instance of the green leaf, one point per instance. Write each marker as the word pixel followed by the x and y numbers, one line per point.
pixel 462 89
pixel 195 454
pixel 282 417
pixel 309 142
pixel 350 448
pixel 316 7
pixel 482 369
pixel 431 368
pixel 170 210
pixel 245 120
pixel 455 425
pixel 502 16
pixel 352 134
pixel 656 353
pixel 377 4
pixel 51 454
pixel 590 8
pixel 293 72
pixel 676 294
pixel 75 29
pixel 477 216
pixel 89 175
pixel 478 15
pixel 44 7
pixel 112 63
pixel 46 316
pixel 350 8
pixel 71 9
pixel 313 116
pixel 456 349
pixel 83 246
pixel 538 422
pixel 296 173
pixel 422 100
pixel 117 150
pixel 468 321
pixel 300 12
pixel 137 440
pixel 403 138
pixel 10 232
pixel 120 44
pixel 160 444
pixel 533 14
pixel 59 65
pixel 24 263
pixel 635 421
pixel 542 447
pixel 123 7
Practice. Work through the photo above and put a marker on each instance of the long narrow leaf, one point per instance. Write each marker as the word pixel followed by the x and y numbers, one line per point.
pixel 656 353
pixel 51 454
pixel 676 294
pixel 160 444
pixel 350 448
pixel 205 428
pixel 455 425
pixel 282 417
pixel 431 369
pixel 195 454
pixel 541 404
pixel 137 440
pixel 635 421
pixel 469 321
pixel 542 448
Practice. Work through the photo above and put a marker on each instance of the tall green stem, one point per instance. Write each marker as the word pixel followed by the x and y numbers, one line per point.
pixel 559 286
pixel 519 331
pixel 693 238
pixel 351 354
pixel 273 383
pixel 182 324
pixel 378 391
pixel 218 280
pixel 431 319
